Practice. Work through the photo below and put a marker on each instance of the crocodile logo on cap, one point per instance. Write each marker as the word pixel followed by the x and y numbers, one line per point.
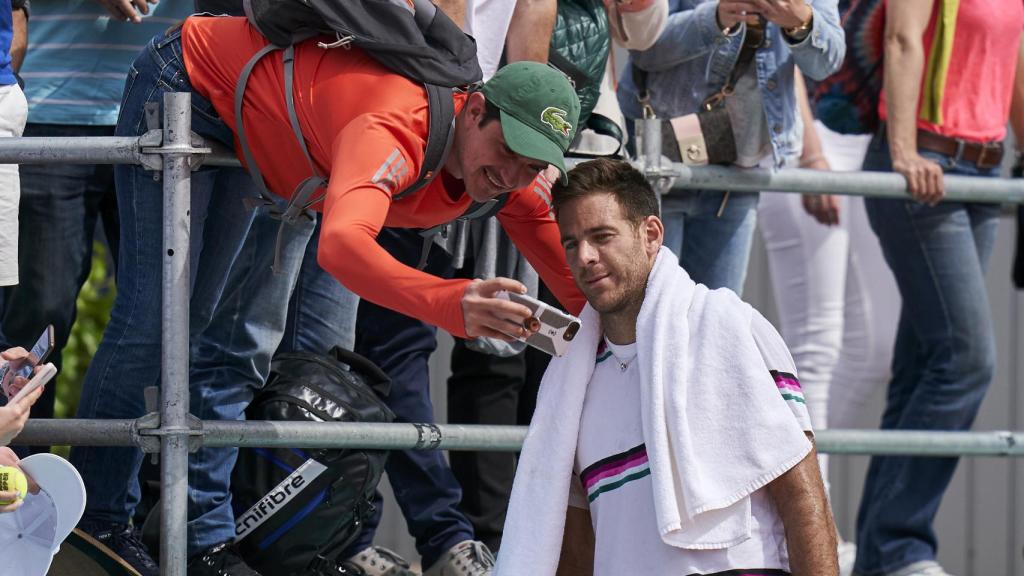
pixel 555 118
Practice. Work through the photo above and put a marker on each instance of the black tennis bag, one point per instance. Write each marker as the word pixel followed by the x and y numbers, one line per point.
pixel 297 510
pixel 419 41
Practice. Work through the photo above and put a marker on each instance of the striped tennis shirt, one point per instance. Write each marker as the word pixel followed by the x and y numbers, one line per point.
pixel 78 58
pixel 613 476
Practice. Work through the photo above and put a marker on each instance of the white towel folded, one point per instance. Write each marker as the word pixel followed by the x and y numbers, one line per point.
pixel 715 425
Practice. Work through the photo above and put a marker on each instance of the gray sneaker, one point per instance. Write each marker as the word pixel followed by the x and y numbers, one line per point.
pixel 467 558
pixel 375 561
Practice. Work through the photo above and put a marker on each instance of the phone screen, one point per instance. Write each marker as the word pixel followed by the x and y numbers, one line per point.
pixel 37 355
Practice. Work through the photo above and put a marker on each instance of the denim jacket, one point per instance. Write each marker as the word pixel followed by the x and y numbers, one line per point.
pixel 693 59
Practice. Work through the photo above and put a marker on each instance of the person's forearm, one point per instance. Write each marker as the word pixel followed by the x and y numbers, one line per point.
pixel 537 238
pixel 455 10
pixel 799 497
pixel 529 32
pixel 812 143
pixel 19 41
pixel 904 67
pixel 577 557
pixel 1017 105
pixel 823 56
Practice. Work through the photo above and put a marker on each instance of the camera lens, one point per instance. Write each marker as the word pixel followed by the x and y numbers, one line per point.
pixel 531 324
pixel 571 331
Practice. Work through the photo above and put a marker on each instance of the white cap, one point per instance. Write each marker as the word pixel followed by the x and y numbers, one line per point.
pixel 31 535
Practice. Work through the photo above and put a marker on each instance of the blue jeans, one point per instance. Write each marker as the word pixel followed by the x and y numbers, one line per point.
pixel 60 205
pixel 237 309
pixel 231 360
pixel 322 312
pixel 424 485
pixel 943 362
pixel 713 250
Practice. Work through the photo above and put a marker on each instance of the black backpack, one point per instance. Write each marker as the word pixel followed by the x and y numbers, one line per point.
pixel 419 43
pixel 297 510
pixel 422 44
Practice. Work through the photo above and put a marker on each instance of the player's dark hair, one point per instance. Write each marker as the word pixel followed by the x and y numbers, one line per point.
pixel 609 176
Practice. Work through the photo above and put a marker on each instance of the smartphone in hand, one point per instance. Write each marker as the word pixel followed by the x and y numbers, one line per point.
pixel 555 329
pixel 45 373
pixel 37 355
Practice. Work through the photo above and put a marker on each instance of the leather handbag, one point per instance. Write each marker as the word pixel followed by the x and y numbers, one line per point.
pixel 706 136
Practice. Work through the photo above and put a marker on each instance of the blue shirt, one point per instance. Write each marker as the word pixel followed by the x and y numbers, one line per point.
pixel 78 58
pixel 6 34
pixel 693 59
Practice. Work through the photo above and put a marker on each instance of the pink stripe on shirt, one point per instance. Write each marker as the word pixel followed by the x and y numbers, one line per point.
pixel 613 468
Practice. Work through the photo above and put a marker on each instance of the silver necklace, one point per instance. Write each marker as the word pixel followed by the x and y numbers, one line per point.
pixel 624 365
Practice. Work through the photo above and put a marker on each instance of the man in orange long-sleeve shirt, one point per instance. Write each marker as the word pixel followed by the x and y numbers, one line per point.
pixel 366 128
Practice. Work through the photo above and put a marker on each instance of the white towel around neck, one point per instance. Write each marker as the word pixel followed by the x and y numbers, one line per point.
pixel 715 425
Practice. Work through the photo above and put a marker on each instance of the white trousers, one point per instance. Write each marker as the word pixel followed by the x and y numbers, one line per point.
pixel 836 296
pixel 13 114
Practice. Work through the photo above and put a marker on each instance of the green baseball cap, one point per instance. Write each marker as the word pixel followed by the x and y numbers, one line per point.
pixel 539 110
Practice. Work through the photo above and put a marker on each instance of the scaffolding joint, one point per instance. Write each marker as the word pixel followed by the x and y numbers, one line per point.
pixel 147 432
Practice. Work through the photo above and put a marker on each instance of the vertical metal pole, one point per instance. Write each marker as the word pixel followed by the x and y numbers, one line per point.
pixel 651 152
pixel 174 373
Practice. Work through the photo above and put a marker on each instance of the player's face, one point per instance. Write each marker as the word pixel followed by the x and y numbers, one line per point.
pixel 610 256
pixel 488 166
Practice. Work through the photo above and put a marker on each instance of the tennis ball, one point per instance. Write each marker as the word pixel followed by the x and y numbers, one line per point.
pixel 12 480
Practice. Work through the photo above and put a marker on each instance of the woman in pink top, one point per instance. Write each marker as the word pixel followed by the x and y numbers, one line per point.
pixel 950 67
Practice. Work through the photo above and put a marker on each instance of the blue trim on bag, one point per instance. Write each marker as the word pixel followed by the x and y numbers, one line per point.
pixel 281 530
pixel 274 459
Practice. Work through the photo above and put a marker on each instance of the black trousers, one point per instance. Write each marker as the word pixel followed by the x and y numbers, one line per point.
pixel 486 389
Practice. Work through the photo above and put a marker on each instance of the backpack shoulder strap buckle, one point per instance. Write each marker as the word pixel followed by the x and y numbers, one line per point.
pixel 251 202
pixel 340 42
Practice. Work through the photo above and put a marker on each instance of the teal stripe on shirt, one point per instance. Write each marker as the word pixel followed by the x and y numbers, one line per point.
pixel 78 58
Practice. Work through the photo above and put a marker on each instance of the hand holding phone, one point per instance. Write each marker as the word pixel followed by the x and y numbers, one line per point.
pixel 734 12
pixel 15 413
pixel 22 364
pixel 484 316
pixel 43 374
pixel 551 330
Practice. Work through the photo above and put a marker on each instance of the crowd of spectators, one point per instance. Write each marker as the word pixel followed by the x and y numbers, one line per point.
pixel 870 291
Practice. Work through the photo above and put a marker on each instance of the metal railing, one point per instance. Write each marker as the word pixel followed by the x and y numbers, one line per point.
pixel 173 432
pixel 313 435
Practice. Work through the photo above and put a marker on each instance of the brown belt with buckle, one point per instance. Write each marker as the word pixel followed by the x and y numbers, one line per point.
pixel 984 156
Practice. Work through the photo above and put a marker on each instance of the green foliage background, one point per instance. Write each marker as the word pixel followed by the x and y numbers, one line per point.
pixel 94 303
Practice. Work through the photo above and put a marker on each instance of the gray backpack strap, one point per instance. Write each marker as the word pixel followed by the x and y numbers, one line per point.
pixel 254 170
pixel 475 211
pixel 302 198
pixel 299 203
pixel 423 13
pixel 440 133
